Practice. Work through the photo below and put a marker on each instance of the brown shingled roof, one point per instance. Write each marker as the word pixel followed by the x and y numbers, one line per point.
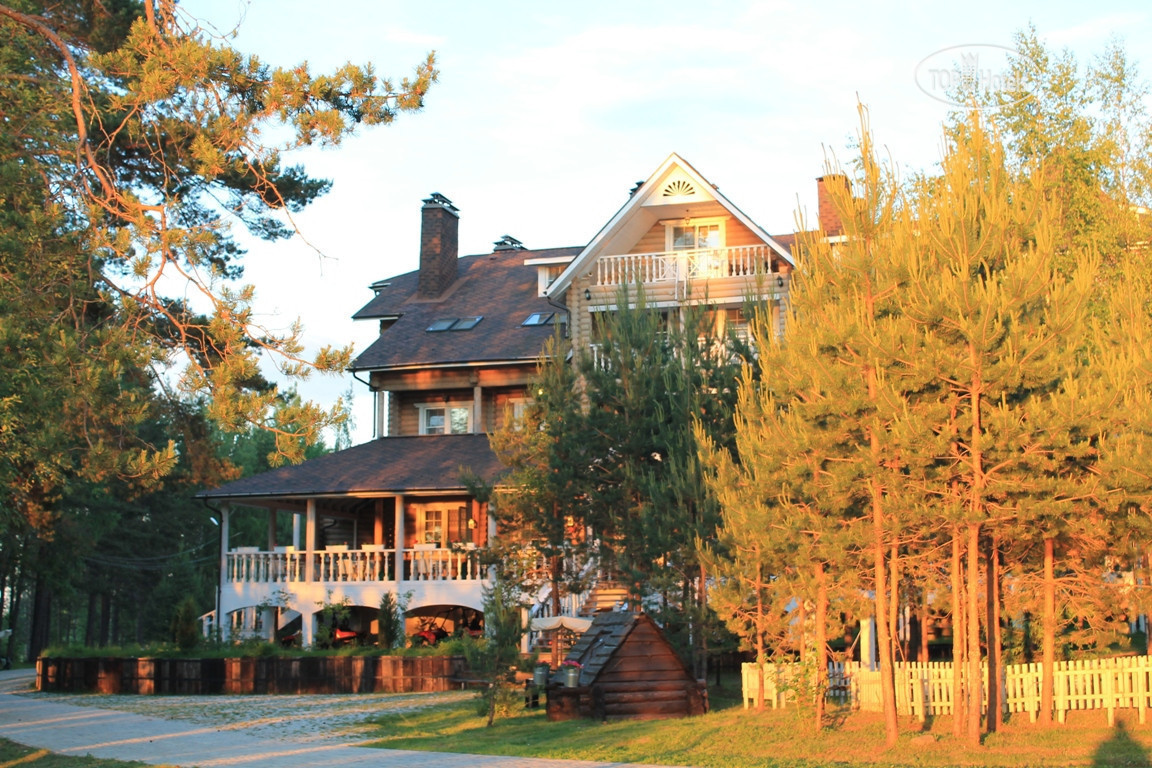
pixel 496 286
pixel 387 465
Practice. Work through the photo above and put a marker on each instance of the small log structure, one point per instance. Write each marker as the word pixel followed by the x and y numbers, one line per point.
pixel 627 670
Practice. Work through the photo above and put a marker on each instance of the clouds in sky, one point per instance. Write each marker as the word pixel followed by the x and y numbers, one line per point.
pixel 546 114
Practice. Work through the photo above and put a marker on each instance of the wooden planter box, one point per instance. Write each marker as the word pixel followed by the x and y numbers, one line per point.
pixel 310 674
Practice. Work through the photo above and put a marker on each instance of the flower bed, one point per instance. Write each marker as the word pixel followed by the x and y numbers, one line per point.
pixel 271 674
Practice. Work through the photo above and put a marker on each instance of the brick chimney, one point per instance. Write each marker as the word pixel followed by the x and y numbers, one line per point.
pixel 439 245
pixel 826 188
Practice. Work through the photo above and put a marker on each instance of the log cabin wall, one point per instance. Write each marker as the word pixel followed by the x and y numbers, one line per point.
pixel 628 671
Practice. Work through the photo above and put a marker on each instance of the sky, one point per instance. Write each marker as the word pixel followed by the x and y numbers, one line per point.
pixel 546 114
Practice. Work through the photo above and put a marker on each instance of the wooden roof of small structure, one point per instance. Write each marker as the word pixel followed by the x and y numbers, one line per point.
pixel 594 649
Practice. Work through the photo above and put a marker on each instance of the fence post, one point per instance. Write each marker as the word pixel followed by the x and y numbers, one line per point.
pixel 1141 686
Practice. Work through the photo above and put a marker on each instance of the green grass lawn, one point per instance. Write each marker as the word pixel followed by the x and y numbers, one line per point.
pixel 13 754
pixel 730 737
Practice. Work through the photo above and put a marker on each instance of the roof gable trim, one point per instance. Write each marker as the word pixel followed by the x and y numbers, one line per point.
pixel 678 176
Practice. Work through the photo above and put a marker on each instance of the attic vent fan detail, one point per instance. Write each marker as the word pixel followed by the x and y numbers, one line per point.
pixel 679 188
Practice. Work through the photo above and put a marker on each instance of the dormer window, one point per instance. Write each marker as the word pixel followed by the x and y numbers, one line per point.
pixel 454 324
pixel 548 269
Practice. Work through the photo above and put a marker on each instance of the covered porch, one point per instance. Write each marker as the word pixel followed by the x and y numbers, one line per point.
pixel 391 515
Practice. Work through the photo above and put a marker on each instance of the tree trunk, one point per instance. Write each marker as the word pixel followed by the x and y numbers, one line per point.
pixel 555 567
pixel 992 576
pixel 105 617
pixel 975 687
pixel 959 638
pixel 975 516
pixel 1048 663
pixel 702 612
pixel 114 625
pixel 924 621
pixel 759 641
pixel 883 638
pixel 18 589
pixel 91 620
pixel 491 704
pixel 879 547
pixel 41 618
pixel 894 603
pixel 821 644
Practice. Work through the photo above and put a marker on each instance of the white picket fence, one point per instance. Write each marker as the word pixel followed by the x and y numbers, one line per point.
pixel 924 689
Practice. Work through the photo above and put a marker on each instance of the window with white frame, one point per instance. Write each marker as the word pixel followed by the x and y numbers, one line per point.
pixel 694 234
pixel 514 410
pixel 442 525
pixel 432 526
pixel 446 418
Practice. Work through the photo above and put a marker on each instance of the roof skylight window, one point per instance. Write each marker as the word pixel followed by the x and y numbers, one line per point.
pixel 466 323
pixel 455 324
pixel 540 318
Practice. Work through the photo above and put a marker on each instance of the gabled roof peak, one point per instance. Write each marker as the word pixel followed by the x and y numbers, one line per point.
pixel 674 183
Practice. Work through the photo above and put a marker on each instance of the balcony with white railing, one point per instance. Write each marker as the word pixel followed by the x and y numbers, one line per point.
pixel 720 273
pixel 369 564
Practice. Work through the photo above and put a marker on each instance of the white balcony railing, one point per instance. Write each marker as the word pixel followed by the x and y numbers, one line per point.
pixel 371 564
pixel 744 261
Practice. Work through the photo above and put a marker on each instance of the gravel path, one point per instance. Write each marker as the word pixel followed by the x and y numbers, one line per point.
pixel 336 719
pixel 230 731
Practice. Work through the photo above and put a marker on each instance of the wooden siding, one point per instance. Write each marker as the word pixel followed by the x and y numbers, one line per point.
pixel 735 233
pixel 641 678
pixel 653 241
pixel 431 380
pixel 404 415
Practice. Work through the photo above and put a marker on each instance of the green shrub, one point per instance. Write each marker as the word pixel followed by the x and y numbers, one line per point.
pixel 391 620
pixel 185 625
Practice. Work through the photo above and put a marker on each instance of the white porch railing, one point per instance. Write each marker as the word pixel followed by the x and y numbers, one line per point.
pixel 681 266
pixel 443 565
pixel 252 566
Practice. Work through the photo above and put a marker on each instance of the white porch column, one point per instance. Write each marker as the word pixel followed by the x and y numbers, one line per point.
pixel 307 628
pixel 378 522
pixel 296 530
pixel 220 624
pixel 310 543
pixel 269 620
pixel 381 407
pixel 400 503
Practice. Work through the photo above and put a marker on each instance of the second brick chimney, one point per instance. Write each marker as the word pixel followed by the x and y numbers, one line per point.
pixel 826 187
pixel 439 245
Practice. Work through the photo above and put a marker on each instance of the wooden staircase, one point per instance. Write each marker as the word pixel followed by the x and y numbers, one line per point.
pixel 605 596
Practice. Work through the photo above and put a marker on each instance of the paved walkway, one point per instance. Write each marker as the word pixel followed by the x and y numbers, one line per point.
pixel 71 730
